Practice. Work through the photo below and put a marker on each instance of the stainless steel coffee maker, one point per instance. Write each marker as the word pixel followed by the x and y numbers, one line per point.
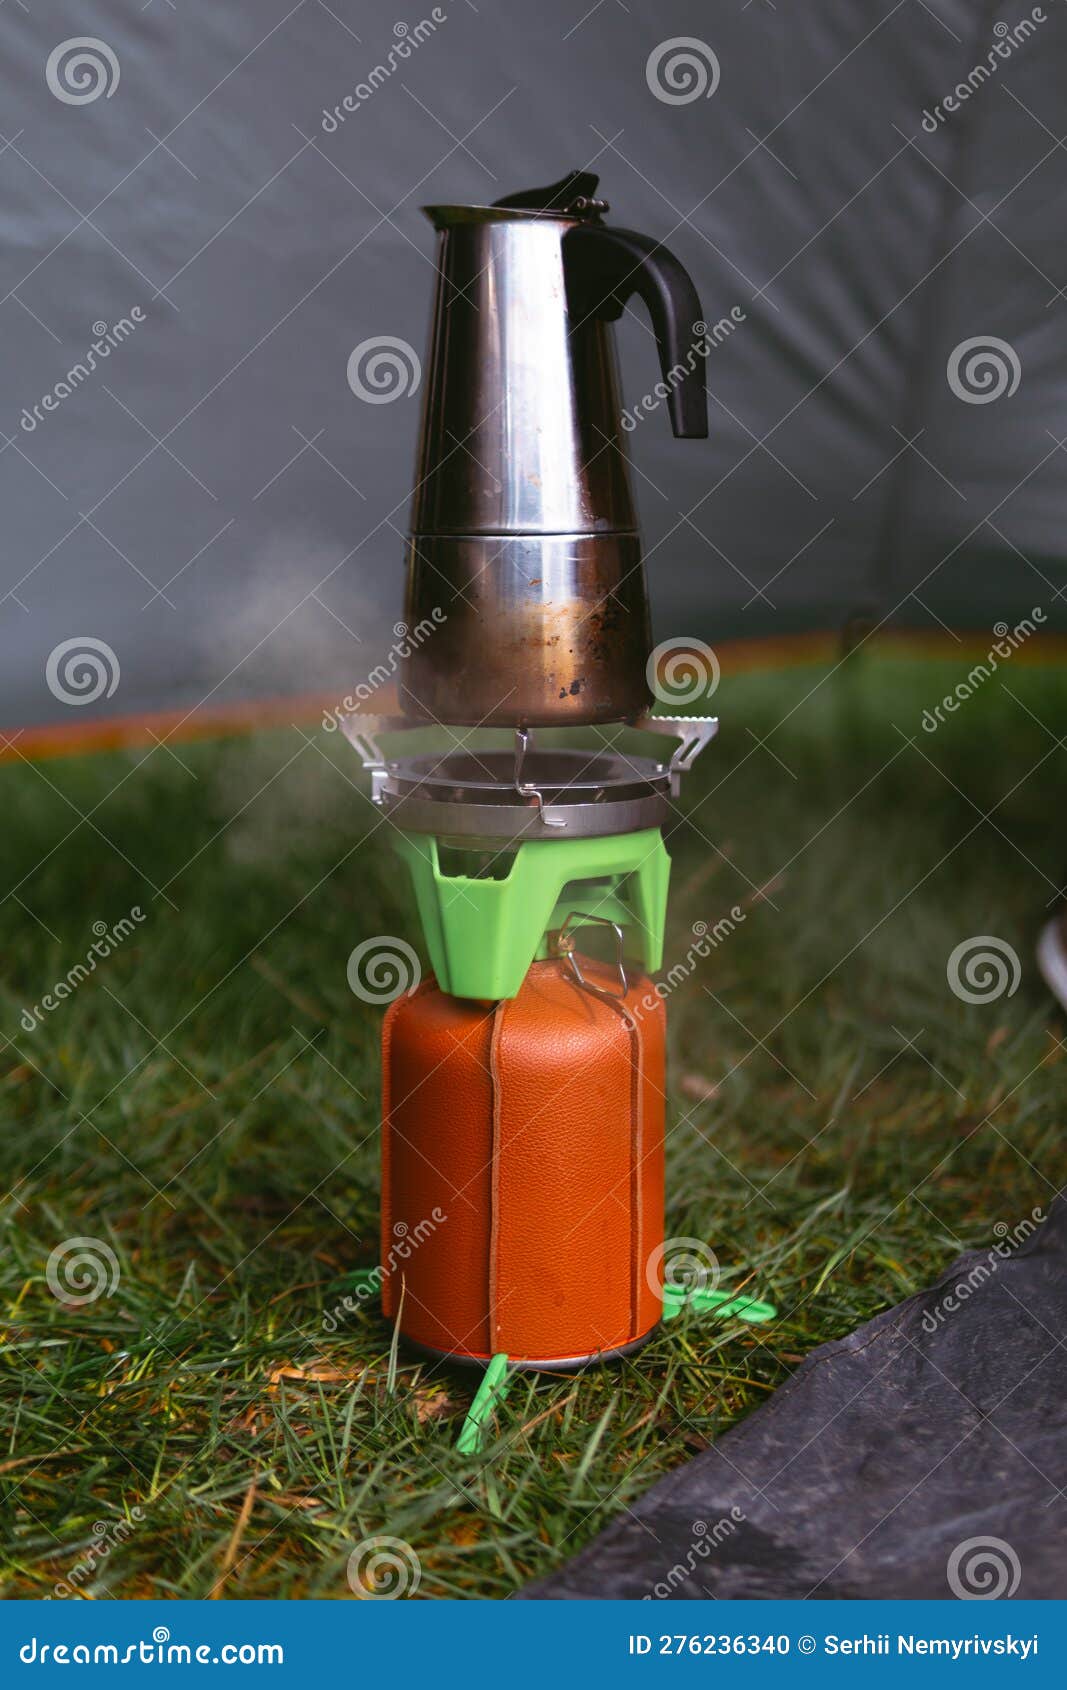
pixel 524 544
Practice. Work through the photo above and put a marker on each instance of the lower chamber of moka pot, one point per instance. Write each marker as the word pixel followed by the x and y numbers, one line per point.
pixel 522 1190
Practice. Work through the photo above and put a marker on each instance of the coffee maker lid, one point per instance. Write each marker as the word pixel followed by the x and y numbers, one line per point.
pixel 572 199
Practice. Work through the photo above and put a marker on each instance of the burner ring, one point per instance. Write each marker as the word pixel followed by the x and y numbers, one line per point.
pixel 530 791
pixel 570 793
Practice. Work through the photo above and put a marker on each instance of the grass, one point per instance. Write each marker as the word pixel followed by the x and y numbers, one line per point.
pixel 205 1104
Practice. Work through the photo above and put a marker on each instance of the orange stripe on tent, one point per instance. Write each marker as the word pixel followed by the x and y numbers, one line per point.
pixel 115 733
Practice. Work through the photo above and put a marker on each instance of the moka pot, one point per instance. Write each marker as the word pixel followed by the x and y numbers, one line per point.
pixel 524 553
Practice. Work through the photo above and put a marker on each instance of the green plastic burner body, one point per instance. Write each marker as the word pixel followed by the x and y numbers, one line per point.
pixel 486 913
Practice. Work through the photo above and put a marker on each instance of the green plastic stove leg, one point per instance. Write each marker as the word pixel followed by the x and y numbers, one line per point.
pixel 677 1299
pixel 490 1392
pixel 495 1381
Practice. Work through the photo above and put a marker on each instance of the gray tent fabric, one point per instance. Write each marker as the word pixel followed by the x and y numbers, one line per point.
pixel 214 503
pixel 922 1456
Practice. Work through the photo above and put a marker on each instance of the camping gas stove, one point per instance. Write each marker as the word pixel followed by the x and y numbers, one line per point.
pixel 523 1084
pixel 497 839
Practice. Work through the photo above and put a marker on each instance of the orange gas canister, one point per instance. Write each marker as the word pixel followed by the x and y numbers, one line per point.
pixel 522 1168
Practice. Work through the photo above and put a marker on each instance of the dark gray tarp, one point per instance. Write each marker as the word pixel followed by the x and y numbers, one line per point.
pixel 925 1455
pixel 216 505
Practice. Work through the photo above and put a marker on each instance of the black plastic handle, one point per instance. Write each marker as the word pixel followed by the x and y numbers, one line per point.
pixel 603 267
